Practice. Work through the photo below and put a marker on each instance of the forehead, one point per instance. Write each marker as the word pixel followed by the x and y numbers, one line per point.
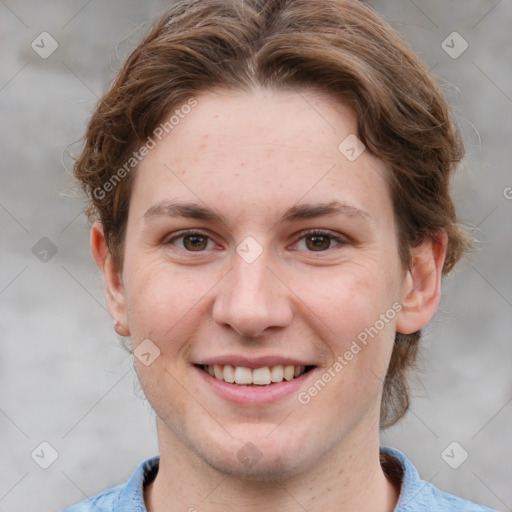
pixel 255 151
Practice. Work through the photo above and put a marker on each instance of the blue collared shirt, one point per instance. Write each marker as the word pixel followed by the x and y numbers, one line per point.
pixel 416 495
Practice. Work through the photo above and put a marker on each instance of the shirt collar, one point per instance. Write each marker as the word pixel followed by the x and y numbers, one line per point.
pixel 131 497
pixel 411 485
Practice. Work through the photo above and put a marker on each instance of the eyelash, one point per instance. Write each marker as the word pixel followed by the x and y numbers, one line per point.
pixel 313 232
pixel 340 240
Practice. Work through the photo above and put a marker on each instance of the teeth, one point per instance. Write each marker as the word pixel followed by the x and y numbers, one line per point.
pixel 276 374
pixel 229 374
pixel 288 372
pixel 261 376
pixel 258 376
pixel 243 375
pixel 217 370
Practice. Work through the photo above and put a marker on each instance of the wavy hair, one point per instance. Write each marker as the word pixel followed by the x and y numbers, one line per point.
pixel 341 47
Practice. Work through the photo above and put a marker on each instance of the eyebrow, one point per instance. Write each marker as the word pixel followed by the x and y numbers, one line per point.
pixel 308 211
pixel 295 213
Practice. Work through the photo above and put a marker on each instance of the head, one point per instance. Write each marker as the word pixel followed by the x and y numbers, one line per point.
pixel 250 110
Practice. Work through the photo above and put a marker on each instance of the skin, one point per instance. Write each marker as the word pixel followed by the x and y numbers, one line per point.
pixel 250 156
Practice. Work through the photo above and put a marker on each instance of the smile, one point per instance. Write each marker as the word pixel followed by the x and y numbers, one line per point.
pixel 264 376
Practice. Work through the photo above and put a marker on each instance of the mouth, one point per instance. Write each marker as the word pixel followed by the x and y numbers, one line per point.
pixel 249 377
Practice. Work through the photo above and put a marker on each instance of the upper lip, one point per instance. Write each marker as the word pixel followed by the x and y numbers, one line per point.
pixel 254 362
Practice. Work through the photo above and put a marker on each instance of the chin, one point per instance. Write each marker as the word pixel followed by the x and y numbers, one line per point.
pixel 256 458
pixel 269 468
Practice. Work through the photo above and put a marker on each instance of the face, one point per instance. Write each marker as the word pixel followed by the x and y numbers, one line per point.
pixel 253 245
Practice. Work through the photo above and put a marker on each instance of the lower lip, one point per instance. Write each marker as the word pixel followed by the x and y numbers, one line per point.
pixel 254 394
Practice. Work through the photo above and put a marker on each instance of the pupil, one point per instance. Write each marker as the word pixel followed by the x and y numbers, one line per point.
pixel 196 242
pixel 319 242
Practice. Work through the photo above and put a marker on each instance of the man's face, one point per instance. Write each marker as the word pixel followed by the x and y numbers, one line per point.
pixel 269 280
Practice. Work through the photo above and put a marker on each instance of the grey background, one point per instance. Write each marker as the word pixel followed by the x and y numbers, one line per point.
pixel 64 378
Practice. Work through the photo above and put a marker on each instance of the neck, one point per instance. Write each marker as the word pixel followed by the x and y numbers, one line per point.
pixel 350 478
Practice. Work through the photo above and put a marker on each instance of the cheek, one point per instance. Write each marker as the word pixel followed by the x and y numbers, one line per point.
pixel 357 322
pixel 163 302
pixel 351 300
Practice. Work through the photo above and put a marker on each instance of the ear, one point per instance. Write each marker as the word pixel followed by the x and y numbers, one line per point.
pixel 116 303
pixel 421 291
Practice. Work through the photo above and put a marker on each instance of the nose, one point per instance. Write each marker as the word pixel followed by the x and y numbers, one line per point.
pixel 251 299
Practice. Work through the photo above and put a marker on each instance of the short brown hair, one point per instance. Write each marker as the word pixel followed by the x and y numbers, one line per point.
pixel 340 47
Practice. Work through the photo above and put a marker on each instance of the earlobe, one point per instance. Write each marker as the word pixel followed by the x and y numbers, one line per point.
pixel 421 291
pixel 115 297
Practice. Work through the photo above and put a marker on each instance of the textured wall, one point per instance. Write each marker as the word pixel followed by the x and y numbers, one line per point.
pixel 65 380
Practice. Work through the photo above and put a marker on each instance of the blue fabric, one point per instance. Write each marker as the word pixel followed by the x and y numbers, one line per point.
pixel 416 495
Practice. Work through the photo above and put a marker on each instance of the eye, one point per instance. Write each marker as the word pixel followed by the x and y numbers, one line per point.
pixel 192 241
pixel 311 241
pixel 318 240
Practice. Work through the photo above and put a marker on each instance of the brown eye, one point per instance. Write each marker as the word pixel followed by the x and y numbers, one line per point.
pixel 191 242
pixel 195 242
pixel 318 242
